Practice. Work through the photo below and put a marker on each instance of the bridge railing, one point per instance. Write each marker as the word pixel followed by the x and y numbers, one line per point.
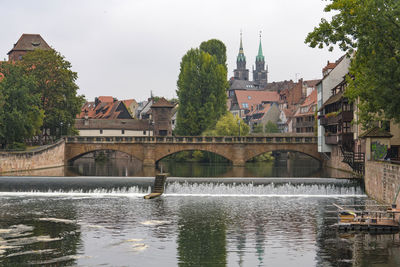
pixel 274 139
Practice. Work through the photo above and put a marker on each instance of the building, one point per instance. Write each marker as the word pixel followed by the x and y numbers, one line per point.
pixel 113 127
pixel 162 113
pixel 245 101
pixel 26 43
pixel 333 75
pixel 104 107
pixel 241 73
pixel 304 118
pixel 262 114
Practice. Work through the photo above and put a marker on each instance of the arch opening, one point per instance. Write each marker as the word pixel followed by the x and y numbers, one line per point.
pixel 105 162
pixel 194 155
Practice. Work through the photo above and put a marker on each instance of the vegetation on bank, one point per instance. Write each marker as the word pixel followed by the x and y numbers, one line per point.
pixel 37 94
pixel 368 31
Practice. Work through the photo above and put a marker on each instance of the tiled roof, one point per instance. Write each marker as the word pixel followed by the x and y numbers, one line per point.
pixel 103 110
pixel 376 132
pixel 262 110
pixel 30 42
pixel 128 102
pixel 312 83
pixel 253 97
pixel 329 66
pixel 162 103
pixel 279 86
pixel 311 99
pixel 242 85
pixel 118 124
pixel 106 99
pixel 331 100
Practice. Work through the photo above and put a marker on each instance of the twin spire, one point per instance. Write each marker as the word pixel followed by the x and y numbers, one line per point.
pixel 241 56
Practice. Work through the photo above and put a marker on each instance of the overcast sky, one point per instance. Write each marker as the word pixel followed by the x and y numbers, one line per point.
pixel 128 48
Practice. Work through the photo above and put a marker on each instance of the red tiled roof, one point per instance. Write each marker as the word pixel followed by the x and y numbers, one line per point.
pixel 103 110
pixel 128 102
pixel 106 99
pixel 253 98
pixel 162 103
pixel 329 66
pixel 311 99
pixel 264 109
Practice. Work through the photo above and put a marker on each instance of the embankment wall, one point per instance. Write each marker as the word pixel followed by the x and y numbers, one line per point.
pixel 43 157
pixel 382 181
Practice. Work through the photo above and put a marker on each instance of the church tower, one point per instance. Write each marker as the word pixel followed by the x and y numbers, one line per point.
pixel 260 74
pixel 241 73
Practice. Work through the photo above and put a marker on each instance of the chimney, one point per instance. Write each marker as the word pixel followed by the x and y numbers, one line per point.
pixel 96 101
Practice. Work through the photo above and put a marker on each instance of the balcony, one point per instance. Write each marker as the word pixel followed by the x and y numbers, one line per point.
pixel 345 116
pixel 339 139
pixel 303 124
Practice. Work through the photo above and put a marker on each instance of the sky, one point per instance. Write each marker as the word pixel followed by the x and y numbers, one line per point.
pixel 130 48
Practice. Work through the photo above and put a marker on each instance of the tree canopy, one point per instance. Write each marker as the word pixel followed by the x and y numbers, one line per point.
pixel 228 125
pixel 201 92
pixel 215 48
pixel 20 113
pixel 368 30
pixel 55 83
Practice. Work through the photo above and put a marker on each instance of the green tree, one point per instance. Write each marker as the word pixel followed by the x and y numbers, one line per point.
pixel 20 113
pixel 259 128
pixel 228 125
pixel 215 48
pixel 201 92
pixel 369 31
pixel 55 82
pixel 271 127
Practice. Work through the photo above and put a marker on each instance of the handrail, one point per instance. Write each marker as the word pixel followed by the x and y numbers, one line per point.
pixel 275 139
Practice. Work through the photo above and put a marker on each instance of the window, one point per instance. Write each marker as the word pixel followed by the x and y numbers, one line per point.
pixel 245 105
pixel 248 97
pixel 122 131
pixel 101 131
pixel 144 132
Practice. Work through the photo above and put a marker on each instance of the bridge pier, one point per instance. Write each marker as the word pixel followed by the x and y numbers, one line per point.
pixel 149 155
pixel 239 155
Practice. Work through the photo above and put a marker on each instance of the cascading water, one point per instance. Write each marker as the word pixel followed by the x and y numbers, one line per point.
pixel 240 187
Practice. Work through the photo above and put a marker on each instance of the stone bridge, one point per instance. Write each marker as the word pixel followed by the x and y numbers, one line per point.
pixel 151 149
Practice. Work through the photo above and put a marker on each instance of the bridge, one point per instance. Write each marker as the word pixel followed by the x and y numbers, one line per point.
pixel 151 149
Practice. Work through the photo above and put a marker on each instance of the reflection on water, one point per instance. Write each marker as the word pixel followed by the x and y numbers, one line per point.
pixel 184 230
pixel 129 167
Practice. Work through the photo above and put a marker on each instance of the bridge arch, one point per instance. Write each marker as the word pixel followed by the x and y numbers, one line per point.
pixel 257 152
pixel 93 151
pixel 169 153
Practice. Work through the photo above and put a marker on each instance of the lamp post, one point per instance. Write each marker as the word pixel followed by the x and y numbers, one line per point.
pixel 239 126
pixel 61 127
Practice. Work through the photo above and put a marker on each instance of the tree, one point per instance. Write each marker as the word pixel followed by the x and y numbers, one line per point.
pixel 20 113
pixel 215 48
pixel 228 125
pixel 271 127
pixel 55 82
pixel 201 92
pixel 369 31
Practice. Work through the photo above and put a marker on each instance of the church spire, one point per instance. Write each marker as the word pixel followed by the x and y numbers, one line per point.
pixel 260 56
pixel 241 56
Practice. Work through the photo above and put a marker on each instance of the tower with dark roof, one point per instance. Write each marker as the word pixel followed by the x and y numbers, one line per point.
pixel 26 43
pixel 260 74
pixel 241 73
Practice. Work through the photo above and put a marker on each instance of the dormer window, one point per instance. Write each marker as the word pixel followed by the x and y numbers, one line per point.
pixel 35 43
pixel 248 97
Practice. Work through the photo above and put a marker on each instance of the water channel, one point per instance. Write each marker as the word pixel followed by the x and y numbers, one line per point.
pixel 265 214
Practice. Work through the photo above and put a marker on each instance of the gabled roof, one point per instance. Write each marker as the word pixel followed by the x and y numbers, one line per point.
pixel 312 83
pixel 253 97
pixel 377 133
pixel 103 110
pixel 129 102
pixel 30 42
pixel 264 109
pixel 162 103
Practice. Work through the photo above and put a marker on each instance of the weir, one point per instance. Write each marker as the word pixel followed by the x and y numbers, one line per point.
pixel 215 187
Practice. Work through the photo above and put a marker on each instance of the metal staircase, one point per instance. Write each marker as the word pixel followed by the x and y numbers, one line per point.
pixel 356 160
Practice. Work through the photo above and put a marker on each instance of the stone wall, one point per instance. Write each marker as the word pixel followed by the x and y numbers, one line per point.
pixel 335 160
pixel 382 181
pixel 43 157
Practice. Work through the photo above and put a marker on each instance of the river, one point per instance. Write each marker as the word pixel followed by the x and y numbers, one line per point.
pixel 264 214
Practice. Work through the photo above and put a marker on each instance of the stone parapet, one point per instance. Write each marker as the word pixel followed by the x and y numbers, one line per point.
pixel 42 157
